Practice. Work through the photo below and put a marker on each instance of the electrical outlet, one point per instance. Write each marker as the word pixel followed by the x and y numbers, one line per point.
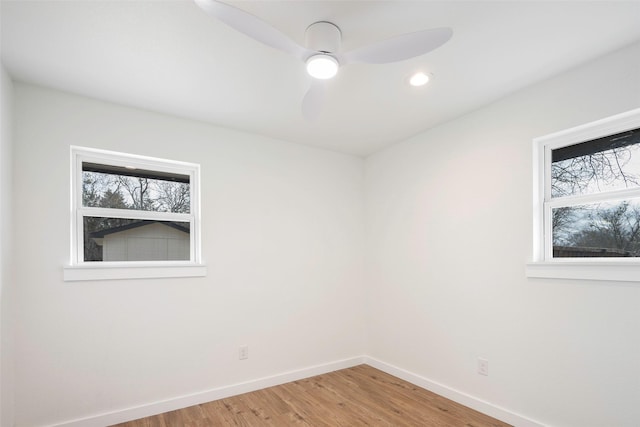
pixel 243 352
pixel 483 366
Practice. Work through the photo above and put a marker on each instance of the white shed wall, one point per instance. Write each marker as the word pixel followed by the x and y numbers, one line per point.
pixel 154 242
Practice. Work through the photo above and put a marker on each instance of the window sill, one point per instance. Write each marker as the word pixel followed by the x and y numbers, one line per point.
pixel 75 273
pixel 617 271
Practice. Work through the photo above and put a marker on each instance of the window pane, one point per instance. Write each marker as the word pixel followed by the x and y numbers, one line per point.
pixel 117 239
pixel 118 187
pixel 609 163
pixel 610 229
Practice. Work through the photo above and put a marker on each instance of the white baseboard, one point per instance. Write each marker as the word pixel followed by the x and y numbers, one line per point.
pixel 479 405
pixel 155 408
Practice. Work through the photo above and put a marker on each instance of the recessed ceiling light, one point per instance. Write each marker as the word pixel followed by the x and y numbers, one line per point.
pixel 419 79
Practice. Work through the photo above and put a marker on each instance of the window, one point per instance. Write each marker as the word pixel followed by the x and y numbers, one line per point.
pixel 587 201
pixel 133 217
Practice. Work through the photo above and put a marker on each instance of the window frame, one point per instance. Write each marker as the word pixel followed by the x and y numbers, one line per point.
pixel 79 269
pixel 543 264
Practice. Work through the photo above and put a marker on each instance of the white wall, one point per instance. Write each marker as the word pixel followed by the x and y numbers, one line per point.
pixel 449 223
pixel 282 238
pixel 6 367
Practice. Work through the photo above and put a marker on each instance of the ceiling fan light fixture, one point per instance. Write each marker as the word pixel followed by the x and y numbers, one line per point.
pixel 419 79
pixel 322 66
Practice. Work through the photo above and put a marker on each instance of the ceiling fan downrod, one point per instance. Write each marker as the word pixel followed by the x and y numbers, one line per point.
pixel 323 37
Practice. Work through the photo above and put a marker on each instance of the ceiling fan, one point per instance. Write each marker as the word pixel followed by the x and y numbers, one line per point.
pixel 322 53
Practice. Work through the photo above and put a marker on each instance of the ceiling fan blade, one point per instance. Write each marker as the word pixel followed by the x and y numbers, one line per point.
pixel 400 47
pixel 314 100
pixel 251 26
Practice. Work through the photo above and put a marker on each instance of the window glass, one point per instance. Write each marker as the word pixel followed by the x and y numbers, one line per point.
pixel 602 218
pixel 123 188
pixel 121 239
pixel 604 164
pixel 605 229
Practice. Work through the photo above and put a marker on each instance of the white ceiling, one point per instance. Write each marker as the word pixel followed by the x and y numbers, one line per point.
pixel 171 57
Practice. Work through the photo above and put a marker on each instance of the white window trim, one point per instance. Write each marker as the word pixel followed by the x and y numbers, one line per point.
pixel 543 264
pixel 78 269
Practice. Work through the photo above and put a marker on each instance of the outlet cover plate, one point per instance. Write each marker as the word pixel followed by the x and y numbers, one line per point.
pixel 483 366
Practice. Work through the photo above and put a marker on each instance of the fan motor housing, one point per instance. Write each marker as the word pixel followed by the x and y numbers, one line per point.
pixel 323 37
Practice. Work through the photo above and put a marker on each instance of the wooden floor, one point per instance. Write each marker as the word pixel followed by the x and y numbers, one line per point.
pixel 358 396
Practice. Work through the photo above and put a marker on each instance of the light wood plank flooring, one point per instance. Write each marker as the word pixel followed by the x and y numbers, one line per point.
pixel 358 396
